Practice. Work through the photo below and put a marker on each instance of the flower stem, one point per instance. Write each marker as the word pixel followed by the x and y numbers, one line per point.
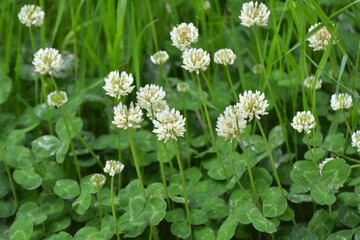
pixel 232 166
pixel 119 156
pixel 275 171
pixel 71 145
pixel 187 138
pixel 9 176
pixel 346 121
pixel 81 139
pixel 99 199
pixel 183 184
pixel 113 208
pixel 355 166
pixel 169 159
pixel 210 90
pixel 231 83
pixel 163 174
pixel 311 152
pixel 210 129
pixel 133 151
pixel 163 75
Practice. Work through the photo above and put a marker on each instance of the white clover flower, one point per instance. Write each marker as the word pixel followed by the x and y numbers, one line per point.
pixel 303 121
pixel 98 179
pixel 252 104
pixel 67 65
pixel 31 15
pixel 151 98
pixel 322 164
pixel 254 14
pixel 47 60
pixel 224 56
pixel 231 124
pixel 126 118
pixel 257 68
pixel 117 85
pixel 182 87
pixel 207 5
pixel 169 125
pixel 355 140
pixel 57 99
pixel 162 106
pixel 320 39
pixel 113 167
pixel 309 83
pixel 183 35
pixel 341 101
pixel 159 57
pixel 195 60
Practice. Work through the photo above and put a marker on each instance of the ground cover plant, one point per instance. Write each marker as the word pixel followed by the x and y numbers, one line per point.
pixel 173 119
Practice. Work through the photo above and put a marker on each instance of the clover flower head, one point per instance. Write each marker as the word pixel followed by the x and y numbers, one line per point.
pixel 355 140
pixel 309 83
pixel 320 39
pixel 254 14
pixel 169 125
pixel 341 101
pixel 252 104
pixel 57 99
pixel 196 59
pixel 117 85
pixel 98 179
pixel 113 167
pixel 126 118
pixel 183 35
pixel 67 66
pixel 47 60
pixel 257 68
pixel 207 5
pixel 159 57
pixel 30 15
pixel 151 98
pixel 182 87
pixel 303 121
pixel 224 56
pixel 161 106
pixel 230 124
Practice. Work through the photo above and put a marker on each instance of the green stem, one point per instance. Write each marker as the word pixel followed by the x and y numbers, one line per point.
pixel 163 174
pixel 187 138
pixel 169 159
pixel 81 139
pixel 346 121
pixel 99 199
pixel 210 90
pixel 71 145
pixel 232 165
pixel 350 159
pixel 249 170
pixel 119 156
pixel 330 210
pixel 311 152
pixel 275 171
pixel 113 208
pixel 54 83
pixel 163 74
pixel 210 128
pixel 9 176
pixel 231 83
pixel 133 151
pixel 355 166
pixel 183 184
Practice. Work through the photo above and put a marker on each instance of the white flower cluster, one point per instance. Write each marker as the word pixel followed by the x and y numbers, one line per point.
pixel 183 35
pixel 355 140
pixel 169 124
pixel 309 83
pixel 113 167
pixel 117 85
pixel 196 59
pixel 159 57
pixel 252 104
pixel 231 124
pixel 151 98
pixel 341 101
pixel 224 56
pixel 182 87
pixel 98 179
pixel 126 118
pixel 30 15
pixel 254 14
pixel 257 68
pixel 303 121
pixel 320 39
pixel 57 99
pixel 47 60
